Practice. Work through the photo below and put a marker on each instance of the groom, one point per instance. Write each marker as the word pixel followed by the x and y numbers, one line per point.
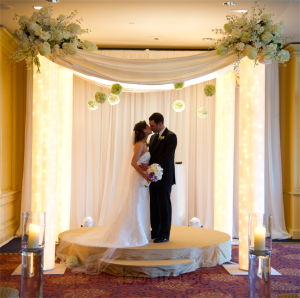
pixel 162 149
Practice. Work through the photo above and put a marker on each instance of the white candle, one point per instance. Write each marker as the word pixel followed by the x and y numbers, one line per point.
pixel 259 238
pixel 33 236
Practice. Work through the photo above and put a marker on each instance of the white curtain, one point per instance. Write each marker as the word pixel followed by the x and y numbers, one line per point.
pixel 99 138
pixel 146 71
pixel 273 171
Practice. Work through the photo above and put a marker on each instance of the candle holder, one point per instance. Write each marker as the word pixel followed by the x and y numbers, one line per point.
pixel 33 242
pixel 260 246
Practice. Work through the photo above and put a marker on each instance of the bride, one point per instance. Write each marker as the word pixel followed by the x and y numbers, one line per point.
pixel 128 224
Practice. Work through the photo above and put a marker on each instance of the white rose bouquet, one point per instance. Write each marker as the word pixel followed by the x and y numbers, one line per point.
pixel 47 36
pixel 154 172
pixel 253 35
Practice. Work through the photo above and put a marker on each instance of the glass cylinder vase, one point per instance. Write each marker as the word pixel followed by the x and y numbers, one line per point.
pixel 260 246
pixel 33 242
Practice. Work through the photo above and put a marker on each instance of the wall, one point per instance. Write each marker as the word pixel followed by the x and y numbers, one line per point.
pixel 12 111
pixel 289 79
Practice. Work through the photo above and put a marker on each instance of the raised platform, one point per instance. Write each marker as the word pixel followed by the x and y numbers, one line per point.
pixel 188 249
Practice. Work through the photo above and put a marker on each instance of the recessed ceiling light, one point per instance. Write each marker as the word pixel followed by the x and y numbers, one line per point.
pixel 229 3
pixel 131 23
pixel 5 6
pixel 53 1
pixel 207 39
pixel 239 10
pixel 156 38
pixel 37 7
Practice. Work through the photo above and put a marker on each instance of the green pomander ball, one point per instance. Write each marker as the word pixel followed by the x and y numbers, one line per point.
pixel 210 90
pixel 178 86
pixel 116 89
pixel 100 97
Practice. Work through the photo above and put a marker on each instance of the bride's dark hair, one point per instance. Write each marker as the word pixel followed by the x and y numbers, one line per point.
pixel 139 131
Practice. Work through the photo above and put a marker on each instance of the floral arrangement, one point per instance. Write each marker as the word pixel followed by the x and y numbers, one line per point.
pixel 116 89
pixel 92 104
pixel 154 172
pixel 178 86
pixel 209 90
pixel 100 97
pixel 72 262
pixel 47 36
pixel 113 99
pixel 178 105
pixel 253 35
pixel 202 112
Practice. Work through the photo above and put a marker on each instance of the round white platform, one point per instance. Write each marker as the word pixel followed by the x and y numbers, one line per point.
pixel 188 249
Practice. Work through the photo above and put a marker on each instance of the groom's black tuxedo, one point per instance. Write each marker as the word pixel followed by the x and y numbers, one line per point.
pixel 162 152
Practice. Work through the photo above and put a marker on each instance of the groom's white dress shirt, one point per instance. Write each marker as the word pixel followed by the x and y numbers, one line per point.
pixel 161 132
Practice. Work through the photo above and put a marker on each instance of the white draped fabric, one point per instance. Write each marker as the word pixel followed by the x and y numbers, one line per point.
pixel 146 71
pixel 99 137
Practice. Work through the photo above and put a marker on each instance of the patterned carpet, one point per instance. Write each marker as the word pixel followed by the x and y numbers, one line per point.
pixel 210 282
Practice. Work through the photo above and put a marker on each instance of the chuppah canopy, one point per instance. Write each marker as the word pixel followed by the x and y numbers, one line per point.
pixel 150 71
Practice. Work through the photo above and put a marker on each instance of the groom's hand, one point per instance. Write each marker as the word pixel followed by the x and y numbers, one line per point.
pixel 144 166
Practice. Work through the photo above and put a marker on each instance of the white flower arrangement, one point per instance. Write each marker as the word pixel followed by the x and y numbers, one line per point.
pixel 92 104
pixel 209 90
pixel 178 105
pixel 202 112
pixel 253 35
pixel 100 97
pixel 113 99
pixel 178 86
pixel 116 89
pixel 44 35
pixel 72 262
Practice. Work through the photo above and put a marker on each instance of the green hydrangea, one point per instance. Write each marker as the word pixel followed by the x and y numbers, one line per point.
pixel 92 104
pixel 116 89
pixel 202 112
pixel 209 90
pixel 100 97
pixel 113 99
pixel 72 262
pixel 178 86
pixel 178 105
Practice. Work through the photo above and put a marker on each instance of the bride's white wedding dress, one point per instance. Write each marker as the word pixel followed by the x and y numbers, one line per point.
pixel 128 224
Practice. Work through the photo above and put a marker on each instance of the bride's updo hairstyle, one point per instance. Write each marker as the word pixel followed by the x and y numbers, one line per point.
pixel 139 131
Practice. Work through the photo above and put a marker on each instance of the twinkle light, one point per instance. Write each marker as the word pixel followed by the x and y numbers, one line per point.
pixel 47 165
pixel 224 153
pixel 251 150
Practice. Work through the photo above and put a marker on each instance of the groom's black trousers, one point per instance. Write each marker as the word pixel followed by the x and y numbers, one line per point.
pixel 160 211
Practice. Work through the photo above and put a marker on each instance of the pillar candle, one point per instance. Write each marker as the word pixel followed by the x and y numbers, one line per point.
pixel 33 236
pixel 259 238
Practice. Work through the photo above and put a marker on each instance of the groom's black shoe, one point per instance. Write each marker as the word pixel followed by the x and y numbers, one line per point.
pixel 160 240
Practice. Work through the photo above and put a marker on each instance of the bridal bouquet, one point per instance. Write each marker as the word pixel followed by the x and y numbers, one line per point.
pixel 253 35
pixel 47 36
pixel 154 172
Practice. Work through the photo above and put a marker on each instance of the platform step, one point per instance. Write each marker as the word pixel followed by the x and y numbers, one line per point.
pixel 150 268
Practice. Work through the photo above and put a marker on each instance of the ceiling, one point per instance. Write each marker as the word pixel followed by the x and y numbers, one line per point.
pixel 176 24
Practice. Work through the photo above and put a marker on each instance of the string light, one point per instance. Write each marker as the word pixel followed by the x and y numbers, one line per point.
pixel 251 150
pixel 224 153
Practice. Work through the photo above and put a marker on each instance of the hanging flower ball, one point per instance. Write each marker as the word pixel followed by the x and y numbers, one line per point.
pixel 116 89
pixel 113 99
pixel 210 90
pixel 100 97
pixel 178 86
pixel 202 112
pixel 92 104
pixel 178 105
pixel 72 262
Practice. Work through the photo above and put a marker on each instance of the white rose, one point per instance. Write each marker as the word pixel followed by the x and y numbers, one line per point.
pixel 56 47
pixel 66 34
pixel 45 12
pixel 268 58
pixel 284 56
pixel 23 20
pixel 240 46
pixel 258 45
pixel 44 35
pixel 45 49
pixel 53 22
pixel 19 32
pixel 266 37
pixel 74 28
pixel 34 16
pixel 271 48
pixel 260 30
pixel 265 17
pixel 241 21
pixel 236 33
pixel 57 35
pixel 61 17
pixel 277 28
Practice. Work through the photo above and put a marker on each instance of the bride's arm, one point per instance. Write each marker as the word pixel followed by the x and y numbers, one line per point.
pixel 138 149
